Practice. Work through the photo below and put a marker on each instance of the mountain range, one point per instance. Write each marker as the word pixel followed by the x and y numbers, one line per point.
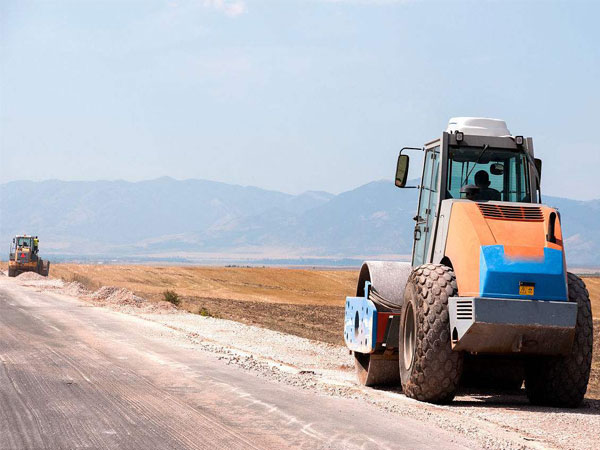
pixel 196 220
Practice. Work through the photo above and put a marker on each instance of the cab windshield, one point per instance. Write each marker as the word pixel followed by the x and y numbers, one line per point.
pixel 24 242
pixel 500 174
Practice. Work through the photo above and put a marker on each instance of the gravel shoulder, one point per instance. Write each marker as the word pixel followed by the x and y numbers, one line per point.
pixel 494 420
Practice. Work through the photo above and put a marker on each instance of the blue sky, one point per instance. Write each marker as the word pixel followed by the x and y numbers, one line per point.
pixel 291 95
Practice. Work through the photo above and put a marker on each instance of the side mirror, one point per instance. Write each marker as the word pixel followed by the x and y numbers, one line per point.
pixel 402 170
pixel 538 166
pixel 469 192
pixel 497 169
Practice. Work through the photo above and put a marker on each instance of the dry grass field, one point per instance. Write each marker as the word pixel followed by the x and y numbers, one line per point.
pixel 270 285
pixel 307 303
pixel 593 286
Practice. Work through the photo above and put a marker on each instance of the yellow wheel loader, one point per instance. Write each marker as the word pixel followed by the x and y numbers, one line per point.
pixel 24 257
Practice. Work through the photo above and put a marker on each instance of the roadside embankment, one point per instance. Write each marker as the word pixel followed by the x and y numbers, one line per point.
pixel 494 419
pixel 305 303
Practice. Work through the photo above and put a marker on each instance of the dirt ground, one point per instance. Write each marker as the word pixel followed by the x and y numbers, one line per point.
pixel 593 286
pixel 271 285
pixel 305 303
pixel 65 311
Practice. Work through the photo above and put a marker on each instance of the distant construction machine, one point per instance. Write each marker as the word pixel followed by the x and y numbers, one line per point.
pixel 487 299
pixel 24 257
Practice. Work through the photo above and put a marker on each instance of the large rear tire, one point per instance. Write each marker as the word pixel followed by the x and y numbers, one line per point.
pixel 562 380
pixel 11 272
pixel 429 369
pixel 45 268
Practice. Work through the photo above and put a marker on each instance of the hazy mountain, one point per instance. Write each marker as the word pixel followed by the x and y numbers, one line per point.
pixel 166 217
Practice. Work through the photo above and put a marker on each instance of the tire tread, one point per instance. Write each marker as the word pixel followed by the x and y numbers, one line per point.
pixel 562 381
pixel 436 369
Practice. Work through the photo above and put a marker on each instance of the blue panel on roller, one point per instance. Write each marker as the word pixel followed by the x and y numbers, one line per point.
pixel 360 326
pixel 500 276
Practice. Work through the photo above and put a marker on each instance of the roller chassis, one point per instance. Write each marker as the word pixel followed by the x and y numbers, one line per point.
pixel 378 339
pixel 477 325
pixel 487 283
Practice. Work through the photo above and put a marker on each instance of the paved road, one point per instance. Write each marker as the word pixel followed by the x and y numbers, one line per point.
pixel 74 376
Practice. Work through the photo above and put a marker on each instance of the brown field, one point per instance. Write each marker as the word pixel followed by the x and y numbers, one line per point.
pixel 593 286
pixel 269 285
pixel 307 303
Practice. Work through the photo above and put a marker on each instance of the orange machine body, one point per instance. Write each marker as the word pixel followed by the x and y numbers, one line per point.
pixel 497 248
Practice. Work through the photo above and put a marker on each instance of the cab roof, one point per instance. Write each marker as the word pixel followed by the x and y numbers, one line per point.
pixel 478 126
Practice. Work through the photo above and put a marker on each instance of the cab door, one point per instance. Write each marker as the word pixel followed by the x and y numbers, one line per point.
pixel 428 199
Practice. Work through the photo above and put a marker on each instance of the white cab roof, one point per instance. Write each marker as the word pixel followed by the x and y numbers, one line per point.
pixel 478 126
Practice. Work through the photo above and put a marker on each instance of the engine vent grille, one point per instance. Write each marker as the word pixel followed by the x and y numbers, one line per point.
pixel 464 309
pixel 530 214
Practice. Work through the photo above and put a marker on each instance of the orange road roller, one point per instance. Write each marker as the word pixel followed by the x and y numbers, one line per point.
pixel 487 299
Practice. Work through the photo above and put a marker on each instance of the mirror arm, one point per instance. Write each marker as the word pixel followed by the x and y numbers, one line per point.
pixel 422 149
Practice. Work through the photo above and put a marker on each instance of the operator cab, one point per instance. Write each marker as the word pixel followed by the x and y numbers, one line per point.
pixel 25 246
pixel 475 159
pixel 24 241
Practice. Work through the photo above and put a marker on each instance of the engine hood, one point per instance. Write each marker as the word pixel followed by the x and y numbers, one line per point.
pixel 496 248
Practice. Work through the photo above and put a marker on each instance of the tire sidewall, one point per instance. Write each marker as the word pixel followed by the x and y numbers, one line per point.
pixel 410 298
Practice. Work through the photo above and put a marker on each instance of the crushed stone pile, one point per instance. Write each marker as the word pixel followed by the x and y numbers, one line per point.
pixel 30 276
pixel 125 300
pixel 117 296
pixel 75 288
pixel 119 299
pixel 161 306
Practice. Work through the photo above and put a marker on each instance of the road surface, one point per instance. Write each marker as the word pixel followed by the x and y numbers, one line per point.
pixel 76 376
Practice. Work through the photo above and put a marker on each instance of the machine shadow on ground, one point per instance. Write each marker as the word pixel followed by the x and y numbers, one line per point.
pixel 519 402
pixel 503 399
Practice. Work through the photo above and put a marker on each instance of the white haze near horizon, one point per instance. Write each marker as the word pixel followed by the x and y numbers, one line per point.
pixel 290 96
